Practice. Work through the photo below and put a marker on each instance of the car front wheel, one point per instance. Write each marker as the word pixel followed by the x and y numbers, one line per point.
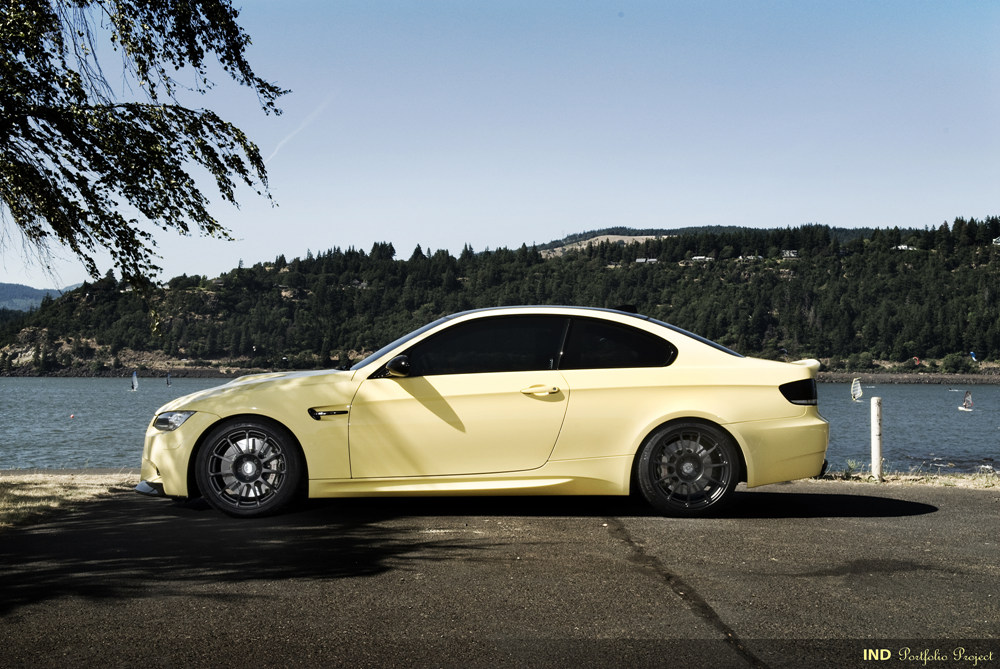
pixel 688 469
pixel 249 468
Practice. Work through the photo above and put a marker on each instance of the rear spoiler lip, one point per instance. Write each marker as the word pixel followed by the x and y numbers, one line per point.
pixel 810 363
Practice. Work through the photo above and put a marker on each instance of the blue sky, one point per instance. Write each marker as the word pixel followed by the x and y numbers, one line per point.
pixel 446 123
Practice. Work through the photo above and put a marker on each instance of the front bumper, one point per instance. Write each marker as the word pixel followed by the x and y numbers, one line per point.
pixel 151 489
pixel 165 456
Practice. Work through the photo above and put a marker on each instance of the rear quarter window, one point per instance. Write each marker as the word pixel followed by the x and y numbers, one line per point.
pixel 597 344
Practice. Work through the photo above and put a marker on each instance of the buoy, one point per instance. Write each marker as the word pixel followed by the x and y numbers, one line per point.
pixel 72 416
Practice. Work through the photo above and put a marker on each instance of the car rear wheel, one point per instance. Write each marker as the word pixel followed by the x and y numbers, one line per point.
pixel 688 469
pixel 249 468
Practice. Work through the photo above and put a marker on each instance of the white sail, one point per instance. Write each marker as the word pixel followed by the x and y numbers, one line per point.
pixel 135 381
pixel 856 390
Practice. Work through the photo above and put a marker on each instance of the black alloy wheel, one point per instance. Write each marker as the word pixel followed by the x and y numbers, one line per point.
pixel 249 468
pixel 688 469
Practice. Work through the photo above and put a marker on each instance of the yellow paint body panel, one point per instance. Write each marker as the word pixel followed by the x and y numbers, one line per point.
pixel 597 476
pixel 456 424
pixel 282 398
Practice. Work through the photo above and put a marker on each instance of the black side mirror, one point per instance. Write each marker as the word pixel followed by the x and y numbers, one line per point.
pixel 398 366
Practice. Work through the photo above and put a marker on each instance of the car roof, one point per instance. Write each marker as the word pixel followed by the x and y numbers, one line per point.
pixel 580 310
pixel 548 309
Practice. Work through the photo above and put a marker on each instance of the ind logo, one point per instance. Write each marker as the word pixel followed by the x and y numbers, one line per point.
pixel 877 654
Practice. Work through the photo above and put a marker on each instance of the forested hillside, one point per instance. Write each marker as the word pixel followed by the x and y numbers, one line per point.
pixel 16 297
pixel 811 291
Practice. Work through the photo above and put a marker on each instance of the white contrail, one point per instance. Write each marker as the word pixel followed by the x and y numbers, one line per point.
pixel 313 115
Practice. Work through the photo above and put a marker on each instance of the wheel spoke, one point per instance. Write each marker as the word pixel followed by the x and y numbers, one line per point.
pixel 221 456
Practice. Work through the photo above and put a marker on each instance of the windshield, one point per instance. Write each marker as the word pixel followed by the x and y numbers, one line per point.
pixel 399 342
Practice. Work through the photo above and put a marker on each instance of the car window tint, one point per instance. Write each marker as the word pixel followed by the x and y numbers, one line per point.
pixel 595 344
pixel 506 344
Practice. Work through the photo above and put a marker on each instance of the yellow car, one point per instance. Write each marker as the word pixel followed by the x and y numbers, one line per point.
pixel 518 400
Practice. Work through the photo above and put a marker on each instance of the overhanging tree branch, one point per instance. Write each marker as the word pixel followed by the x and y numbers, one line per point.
pixel 72 157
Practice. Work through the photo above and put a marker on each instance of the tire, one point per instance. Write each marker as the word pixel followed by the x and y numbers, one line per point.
pixel 249 468
pixel 688 469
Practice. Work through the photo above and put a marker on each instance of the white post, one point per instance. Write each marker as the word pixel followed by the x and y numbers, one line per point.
pixel 877 438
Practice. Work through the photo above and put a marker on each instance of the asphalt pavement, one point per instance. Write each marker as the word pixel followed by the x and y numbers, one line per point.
pixel 813 573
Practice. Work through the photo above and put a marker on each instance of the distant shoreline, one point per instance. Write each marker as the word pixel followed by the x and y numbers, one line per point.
pixel 889 378
pixel 123 373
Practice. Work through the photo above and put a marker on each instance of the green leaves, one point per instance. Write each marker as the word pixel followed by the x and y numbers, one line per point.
pixel 83 169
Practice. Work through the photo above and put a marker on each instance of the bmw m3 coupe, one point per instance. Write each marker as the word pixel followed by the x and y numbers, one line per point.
pixel 503 401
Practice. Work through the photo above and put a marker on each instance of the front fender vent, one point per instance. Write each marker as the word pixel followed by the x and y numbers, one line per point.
pixel 320 414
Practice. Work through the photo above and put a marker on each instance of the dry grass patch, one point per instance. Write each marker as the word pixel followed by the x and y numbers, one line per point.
pixel 985 479
pixel 29 497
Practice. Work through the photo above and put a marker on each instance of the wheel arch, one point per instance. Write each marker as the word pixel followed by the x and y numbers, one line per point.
pixel 192 479
pixel 633 477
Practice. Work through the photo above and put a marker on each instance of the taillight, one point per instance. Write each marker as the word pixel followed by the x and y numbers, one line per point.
pixel 800 392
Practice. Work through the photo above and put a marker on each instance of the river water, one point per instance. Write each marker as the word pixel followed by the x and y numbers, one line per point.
pixel 56 423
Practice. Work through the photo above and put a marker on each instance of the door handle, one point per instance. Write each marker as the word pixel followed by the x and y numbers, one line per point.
pixel 539 390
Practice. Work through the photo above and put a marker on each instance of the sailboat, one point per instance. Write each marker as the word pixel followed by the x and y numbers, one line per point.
pixel 967 402
pixel 168 378
pixel 856 390
pixel 135 381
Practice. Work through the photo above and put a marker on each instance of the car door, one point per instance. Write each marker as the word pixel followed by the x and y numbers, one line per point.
pixel 620 384
pixel 482 396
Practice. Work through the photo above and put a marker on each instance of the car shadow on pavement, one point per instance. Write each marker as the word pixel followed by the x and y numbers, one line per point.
pixel 130 547
pixel 745 504
pixel 767 504
pixel 125 546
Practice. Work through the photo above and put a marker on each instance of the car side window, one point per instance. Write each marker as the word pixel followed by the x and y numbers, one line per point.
pixel 595 344
pixel 504 344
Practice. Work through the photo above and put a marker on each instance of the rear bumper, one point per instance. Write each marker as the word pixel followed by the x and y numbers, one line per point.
pixel 784 449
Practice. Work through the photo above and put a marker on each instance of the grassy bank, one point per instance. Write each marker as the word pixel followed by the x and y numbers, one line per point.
pixel 978 480
pixel 28 497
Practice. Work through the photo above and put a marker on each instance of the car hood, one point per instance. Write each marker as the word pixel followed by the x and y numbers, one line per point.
pixel 250 386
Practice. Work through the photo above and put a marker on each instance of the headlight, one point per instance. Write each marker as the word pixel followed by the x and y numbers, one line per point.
pixel 171 420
